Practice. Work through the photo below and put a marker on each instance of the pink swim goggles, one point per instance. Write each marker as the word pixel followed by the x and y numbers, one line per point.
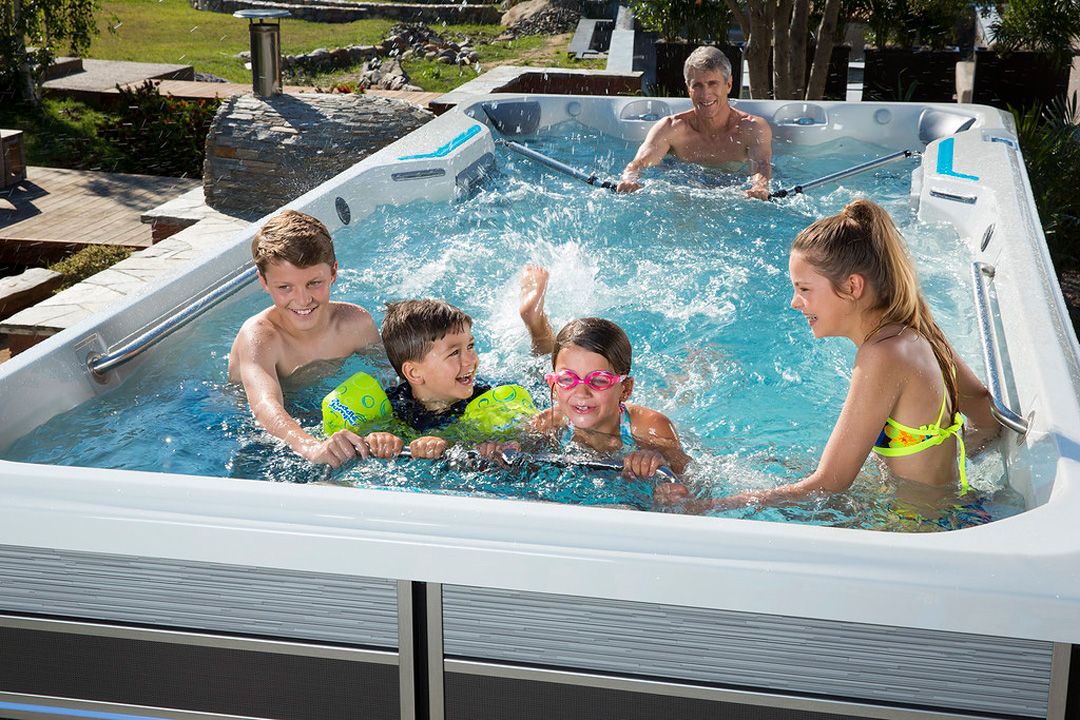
pixel 599 380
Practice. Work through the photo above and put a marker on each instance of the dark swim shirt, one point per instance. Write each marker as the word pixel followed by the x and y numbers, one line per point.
pixel 412 412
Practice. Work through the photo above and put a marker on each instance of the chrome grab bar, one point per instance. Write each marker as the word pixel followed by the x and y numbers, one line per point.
pixel 1005 415
pixel 509 456
pixel 101 363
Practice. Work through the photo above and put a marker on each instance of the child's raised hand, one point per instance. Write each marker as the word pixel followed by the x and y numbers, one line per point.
pixel 384 444
pixel 428 447
pixel 534 282
pixel 642 463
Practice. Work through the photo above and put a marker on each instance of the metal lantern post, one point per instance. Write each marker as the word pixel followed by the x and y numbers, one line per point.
pixel 265 49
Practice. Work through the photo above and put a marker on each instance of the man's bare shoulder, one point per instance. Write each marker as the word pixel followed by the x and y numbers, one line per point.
pixel 750 125
pixel 679 122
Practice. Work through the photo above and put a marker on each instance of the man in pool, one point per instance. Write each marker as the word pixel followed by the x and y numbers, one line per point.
pixel 295 258
pixel 712 133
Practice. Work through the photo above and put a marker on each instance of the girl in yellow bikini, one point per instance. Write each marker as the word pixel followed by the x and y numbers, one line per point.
pixel 912 400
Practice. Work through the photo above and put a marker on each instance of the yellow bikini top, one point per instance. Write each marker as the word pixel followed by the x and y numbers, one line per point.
pixel 899 440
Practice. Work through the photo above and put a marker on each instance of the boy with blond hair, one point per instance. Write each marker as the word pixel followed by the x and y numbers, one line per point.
pixel 295 258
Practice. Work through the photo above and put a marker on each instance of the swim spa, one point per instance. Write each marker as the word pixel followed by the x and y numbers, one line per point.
pixel 146 593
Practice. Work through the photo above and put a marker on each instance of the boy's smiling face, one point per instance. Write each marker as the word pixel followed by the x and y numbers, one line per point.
pixel 447 372
pixel 300 294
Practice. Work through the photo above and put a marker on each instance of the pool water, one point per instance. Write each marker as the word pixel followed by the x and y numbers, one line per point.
pixel 692 270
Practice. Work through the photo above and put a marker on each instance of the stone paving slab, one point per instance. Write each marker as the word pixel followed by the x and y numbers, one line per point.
pixel 127 278
pixel 105 75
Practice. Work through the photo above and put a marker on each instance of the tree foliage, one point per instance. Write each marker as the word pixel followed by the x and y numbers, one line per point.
pixel 1046 26
pixel 31 34
pixel 914 23
pixel 1050 141
pixel 697 21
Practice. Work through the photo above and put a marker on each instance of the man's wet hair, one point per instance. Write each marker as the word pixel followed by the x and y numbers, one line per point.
pixel 411 327
pixel 707 58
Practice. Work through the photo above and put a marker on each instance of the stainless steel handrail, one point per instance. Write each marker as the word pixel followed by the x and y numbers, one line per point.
pixel 101 363
pixel 1004 414
pixel 510 456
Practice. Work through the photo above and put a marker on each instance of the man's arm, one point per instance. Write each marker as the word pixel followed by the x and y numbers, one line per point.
pixel 256 356
pixel 759 156
pixel 657 144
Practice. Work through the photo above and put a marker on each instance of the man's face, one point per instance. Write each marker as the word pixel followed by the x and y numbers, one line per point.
pixel 708 90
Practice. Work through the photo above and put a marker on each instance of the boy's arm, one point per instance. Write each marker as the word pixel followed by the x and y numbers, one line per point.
pixel 359 326
pixel 257 369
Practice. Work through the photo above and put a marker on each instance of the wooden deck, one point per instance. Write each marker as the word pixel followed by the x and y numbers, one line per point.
pixel 54 210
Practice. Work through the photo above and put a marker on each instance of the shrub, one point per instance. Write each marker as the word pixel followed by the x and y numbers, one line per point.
pixel 158 134
pixel 1050 141
pixel 1045 26
pixel 86 262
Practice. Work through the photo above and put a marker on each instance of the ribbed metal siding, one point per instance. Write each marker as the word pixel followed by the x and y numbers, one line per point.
pixel 200 596
pixel 947 671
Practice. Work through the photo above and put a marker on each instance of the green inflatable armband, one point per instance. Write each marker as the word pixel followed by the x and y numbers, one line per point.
pixel 355 403
pixel 499 411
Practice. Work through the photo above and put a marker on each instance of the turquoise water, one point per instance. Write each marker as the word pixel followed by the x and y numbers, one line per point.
pixel 695 273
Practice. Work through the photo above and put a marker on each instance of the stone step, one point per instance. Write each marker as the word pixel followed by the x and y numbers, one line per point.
pixel 18 292
pixel 63 66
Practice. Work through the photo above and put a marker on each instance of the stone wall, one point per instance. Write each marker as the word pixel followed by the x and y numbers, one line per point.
pixel 262 153
pixel 351 11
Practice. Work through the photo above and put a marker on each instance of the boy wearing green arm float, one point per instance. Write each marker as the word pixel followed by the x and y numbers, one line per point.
pixel 430 345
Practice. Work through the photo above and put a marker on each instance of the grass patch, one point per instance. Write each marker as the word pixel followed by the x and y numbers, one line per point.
pixel 171 31
pixel 530 51
pixel 86 262
pixel 62 133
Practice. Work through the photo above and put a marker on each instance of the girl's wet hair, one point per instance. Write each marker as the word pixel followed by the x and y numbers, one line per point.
pixel 862 239
pixel 597 335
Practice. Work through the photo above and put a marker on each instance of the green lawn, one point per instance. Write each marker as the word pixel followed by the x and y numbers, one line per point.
pixel 170 31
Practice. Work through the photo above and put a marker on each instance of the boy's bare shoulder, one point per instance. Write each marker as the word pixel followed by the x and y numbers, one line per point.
pixel 258 328
pixel 349 317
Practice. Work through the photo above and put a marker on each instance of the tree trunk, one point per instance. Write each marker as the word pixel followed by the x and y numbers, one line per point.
pixel 819 71
pixel 758 47
pixel 798 34
pixel 27 87
pixel 782 80
pixel 740 16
